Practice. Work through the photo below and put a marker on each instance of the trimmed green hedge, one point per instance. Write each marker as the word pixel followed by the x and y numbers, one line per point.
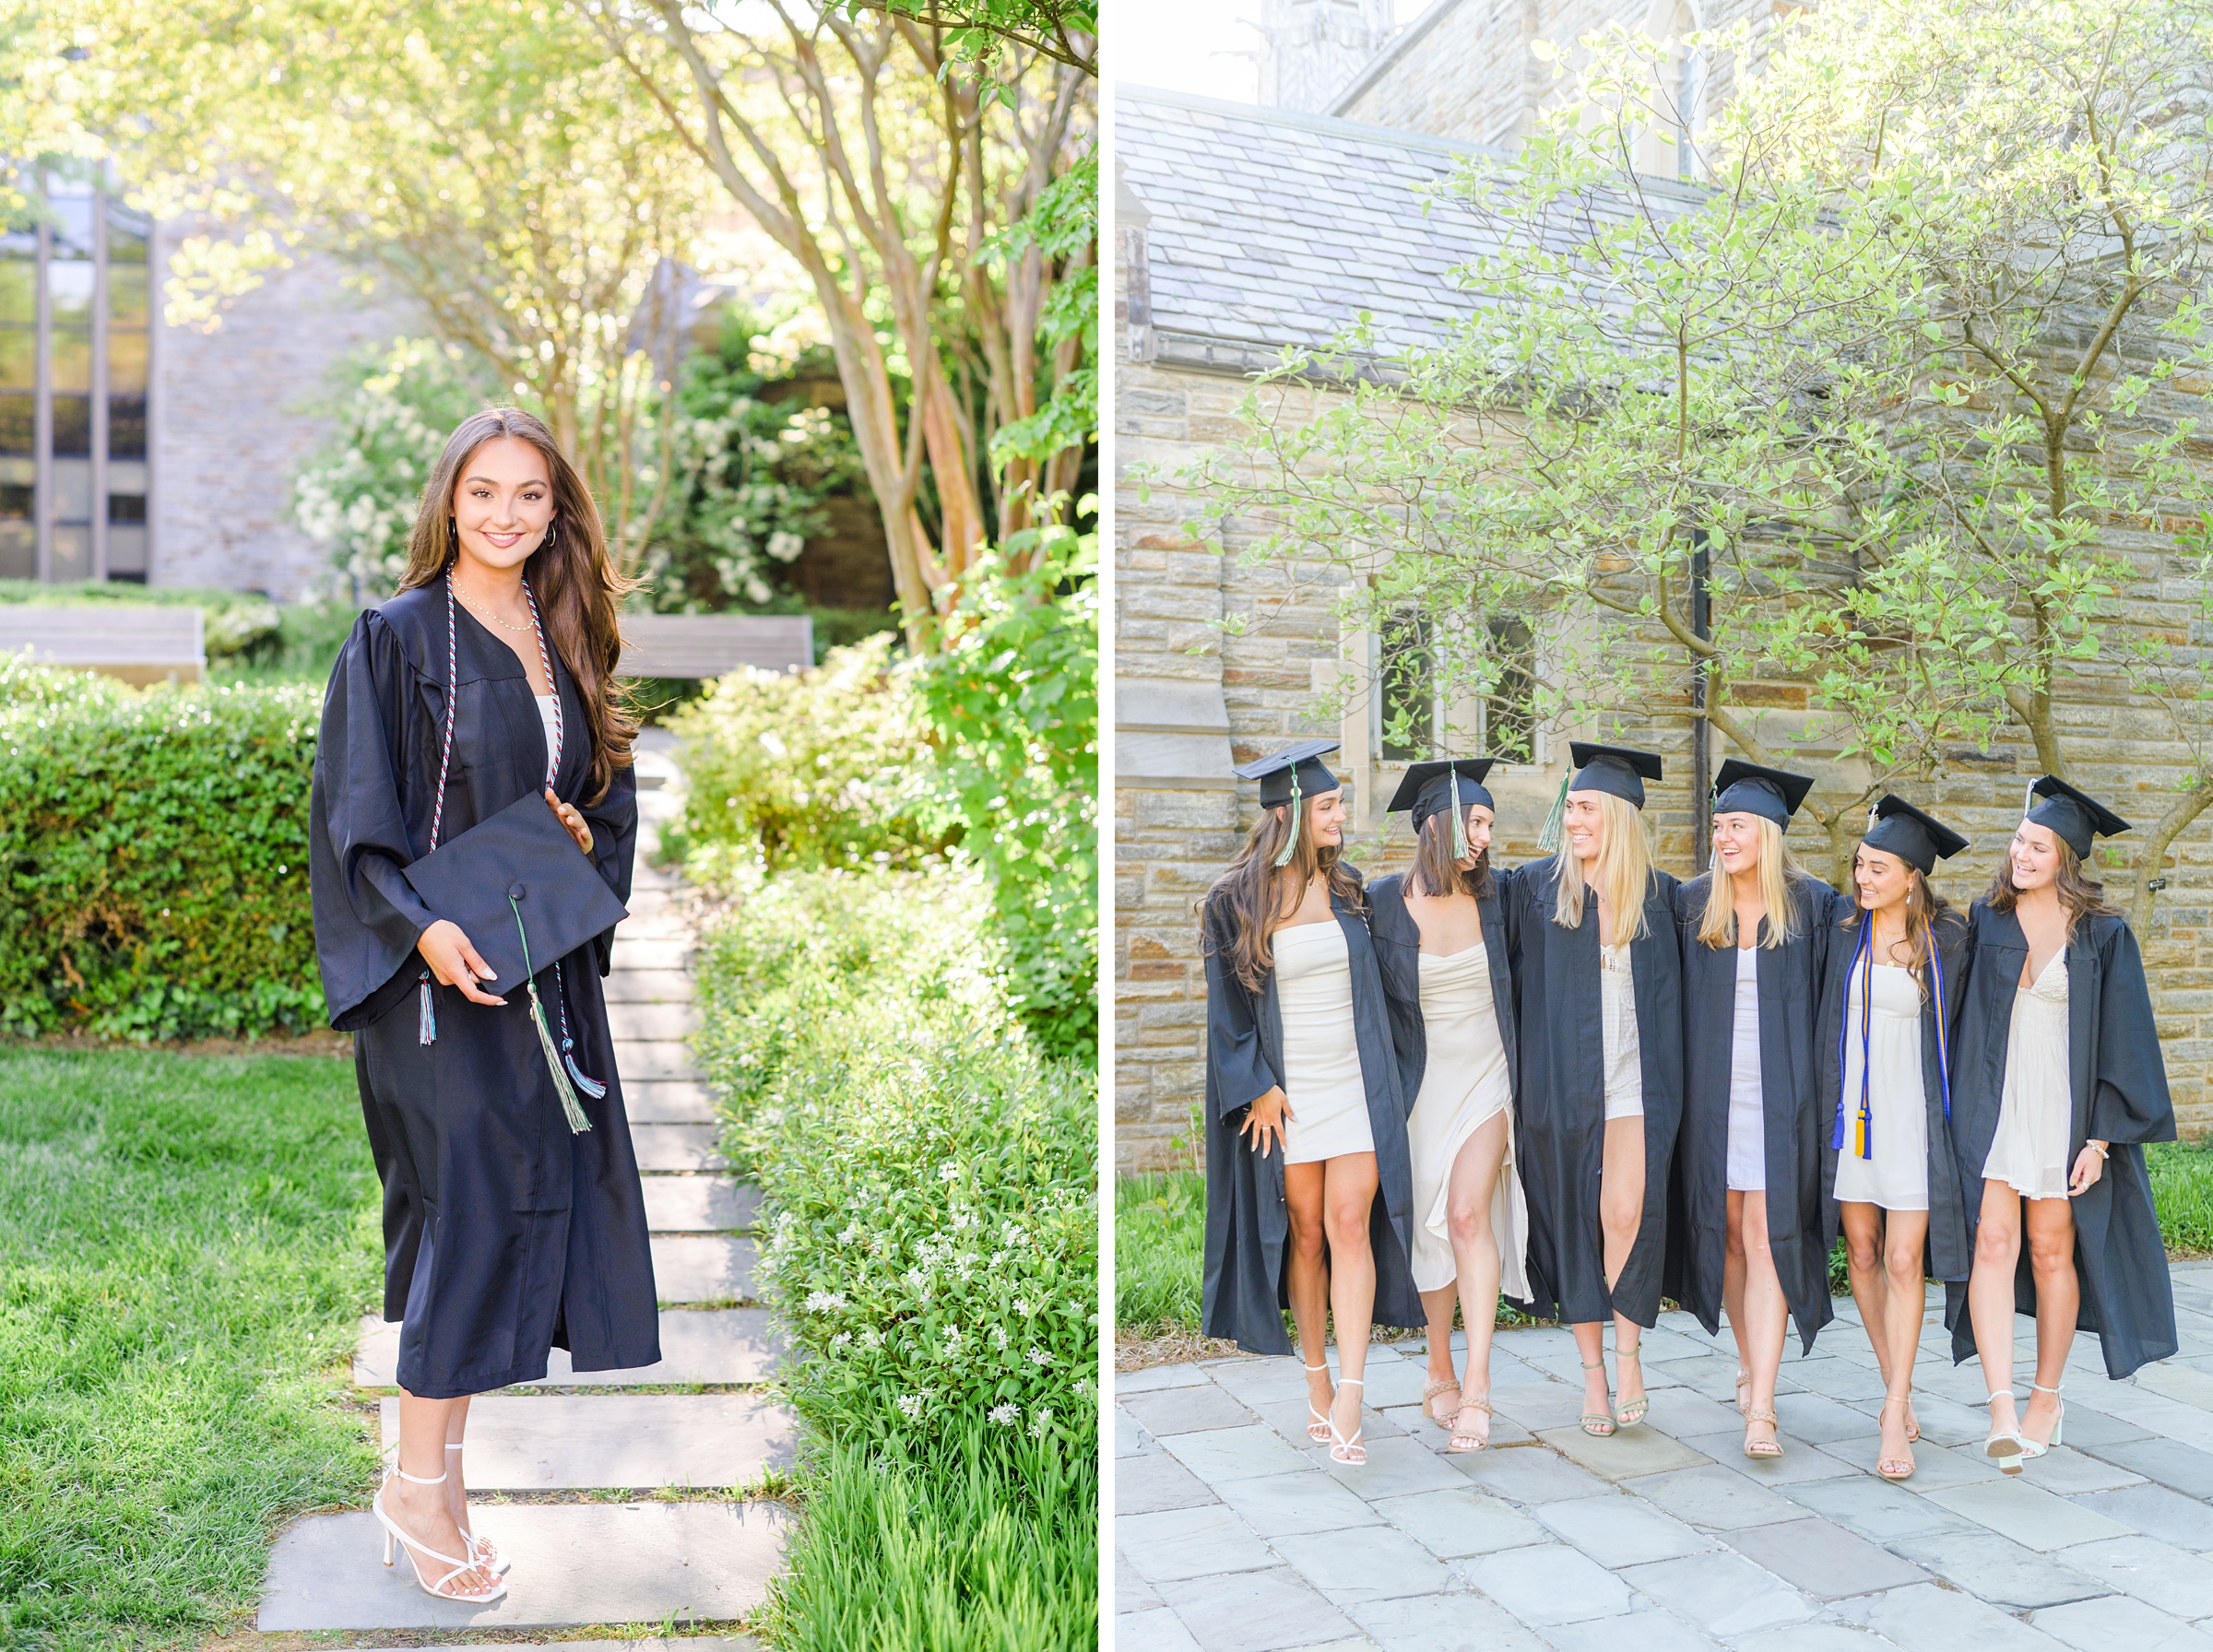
pixel 153 858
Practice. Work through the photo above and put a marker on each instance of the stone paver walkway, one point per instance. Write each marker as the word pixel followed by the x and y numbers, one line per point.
pixel 1235 1534
pixel 576 1561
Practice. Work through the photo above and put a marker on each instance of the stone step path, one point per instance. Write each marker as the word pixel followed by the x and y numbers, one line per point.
pixel 1233 1531
pixel 644 1562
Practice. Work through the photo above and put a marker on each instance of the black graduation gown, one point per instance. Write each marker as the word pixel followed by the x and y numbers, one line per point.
pixel 1247 1226
pixel 2118 1079
pixel 1948 1254
pixel 1798 1116
pixel 504 1234
pixel 1560 1089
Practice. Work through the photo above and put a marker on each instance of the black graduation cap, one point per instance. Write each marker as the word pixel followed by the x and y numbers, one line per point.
pixel 1748 789
pixel 1613 769
pixel 1428 788
pixel 516 884
pixel 1277 771
pixel 1915 836
pixel 2074 817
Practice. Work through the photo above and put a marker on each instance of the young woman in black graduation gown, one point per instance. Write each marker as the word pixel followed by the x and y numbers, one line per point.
pixel 1890 1002
pixel 1440 944
pixel 1308 1198
pixel 1752 1235
pixel 2058 1083
pixel 507 1232
pixel 1598 1012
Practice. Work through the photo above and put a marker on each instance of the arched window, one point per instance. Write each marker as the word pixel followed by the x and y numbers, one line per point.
pixel 1680 88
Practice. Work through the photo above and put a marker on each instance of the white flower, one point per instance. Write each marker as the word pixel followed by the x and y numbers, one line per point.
pixel 1005 1415
pixel 1022 1307
pixel 911 1404
pixel 1040 1419
pixel 963 1218
pixel 822 1302
pixel 1083 1387
pixel 917 1280
pixel 850 1234
pixel 953 1339
pixel 844 1337
pixel 872 1337
pixel 1037 1356
pixel 999 1336
pixel 948 1172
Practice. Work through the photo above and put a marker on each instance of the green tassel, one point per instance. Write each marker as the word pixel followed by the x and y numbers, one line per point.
pixel 1556 822
pixel 1297 811
pixel 1460 824
pixel 570 1107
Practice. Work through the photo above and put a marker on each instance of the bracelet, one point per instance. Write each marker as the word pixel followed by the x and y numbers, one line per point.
pixel 2102 1152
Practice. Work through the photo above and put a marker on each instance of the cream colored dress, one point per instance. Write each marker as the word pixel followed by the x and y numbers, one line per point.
pixel 2035 1111
pixel 1896 1175
pixel 1465 1084
pixel 1321 1054
pixel 1617 1024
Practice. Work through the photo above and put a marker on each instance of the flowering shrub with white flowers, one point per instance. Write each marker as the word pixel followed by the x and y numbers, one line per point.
pixel 932 1250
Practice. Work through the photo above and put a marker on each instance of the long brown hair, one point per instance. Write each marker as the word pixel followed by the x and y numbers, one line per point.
pixel 1435 872
pixel 1924 910
pixel 1254 890
pixel 577 587
pixel 2082 894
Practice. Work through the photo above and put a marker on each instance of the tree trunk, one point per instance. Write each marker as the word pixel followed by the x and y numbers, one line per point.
pixel 2151 859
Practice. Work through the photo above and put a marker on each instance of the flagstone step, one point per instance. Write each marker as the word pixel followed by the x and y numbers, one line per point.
pixel 699 1204
pixel 655 1058
pixel 698 1345
pixel 580 1442
pixel 574 1564
pixel 668 1102
pixel 702 1268
pixel 660 954
pixel 648 987
pixel 677 1146
pixel 630 1022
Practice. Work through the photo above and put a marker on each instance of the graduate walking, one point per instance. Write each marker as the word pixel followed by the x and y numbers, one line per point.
pixel 1309 1201
pixel 1751 1236
pixel 1441 945
pixel 1598 1023
pixel 1889 1018
pixel 472 823
pixel 2057 1084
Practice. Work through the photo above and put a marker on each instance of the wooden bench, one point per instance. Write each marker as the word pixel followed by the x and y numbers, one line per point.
pixel 712 644
pixel 138 644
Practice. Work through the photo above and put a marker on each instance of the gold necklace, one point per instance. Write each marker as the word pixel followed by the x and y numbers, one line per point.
pixel 513 631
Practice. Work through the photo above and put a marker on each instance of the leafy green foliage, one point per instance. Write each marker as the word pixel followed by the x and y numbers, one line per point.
pixel 1063 226
pixel 1014 695
pixel 934 1231
pixel 188 1242
pixel 153 858
pixel 2182 1187
pixel 823 767
pixel 1159 1251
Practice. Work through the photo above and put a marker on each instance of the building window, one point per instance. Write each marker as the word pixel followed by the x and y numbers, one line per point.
pixel 1416 718
pixel 75 337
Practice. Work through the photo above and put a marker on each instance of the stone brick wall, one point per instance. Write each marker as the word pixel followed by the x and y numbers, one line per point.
pixel 231 422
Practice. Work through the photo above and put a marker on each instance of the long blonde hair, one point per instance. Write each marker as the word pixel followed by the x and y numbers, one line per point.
pixel 1778 870
pixel 1625 871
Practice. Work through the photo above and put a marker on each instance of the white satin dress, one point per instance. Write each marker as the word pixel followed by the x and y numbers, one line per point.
pixel 1465 1084
pixel 2028 1153
pixel 1896 1174
pixel 1623 1050
pixel 1321 1054
pixel 1747 1155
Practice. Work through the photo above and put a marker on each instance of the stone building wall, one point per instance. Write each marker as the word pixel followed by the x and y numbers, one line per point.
pixel 231 420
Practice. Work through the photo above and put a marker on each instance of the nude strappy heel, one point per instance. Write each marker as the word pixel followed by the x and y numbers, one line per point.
pixel 1760 1450
pixel 1632 1414
pixel 1475 1442
pixel 1598 1425
pixel 2002 1445
pixel 1430 1390
pixel 460 1567
pixel 1893 1468
pixel 1318 1425
pixel 2030 1449
pixel 490 1558
pixel 1342 1449
pixel 1744 1388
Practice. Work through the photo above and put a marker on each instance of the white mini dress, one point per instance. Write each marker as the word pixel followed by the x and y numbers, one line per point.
pixel 1465 1084
pixel 1321 1054
pixel 2035 1111
pixel 1896 1174
pixel 1618 1026
pixel 1747 1108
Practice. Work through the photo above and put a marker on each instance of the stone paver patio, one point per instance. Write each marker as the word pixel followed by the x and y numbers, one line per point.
pixel 1235 1534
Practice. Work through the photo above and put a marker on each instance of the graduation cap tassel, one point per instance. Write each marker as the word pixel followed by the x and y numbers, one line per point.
pixel 571 1108
pixel 1298 812
pixel 1460 824
pixel 1556 822
pixel 426 1014
pixel 585 1081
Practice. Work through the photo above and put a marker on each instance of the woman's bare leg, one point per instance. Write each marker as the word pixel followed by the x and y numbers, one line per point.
pixel 1437 1309
pixel 1620 1215
pixel 423 1512
pixel 1990 1297
pixel 1348 1196
pixel 1864 1263
pixel 456 1489
pixel 1475 1253
pixel 2050 1232
pixel 1905 1232
pixel 1309 1281
pixel 1765 1314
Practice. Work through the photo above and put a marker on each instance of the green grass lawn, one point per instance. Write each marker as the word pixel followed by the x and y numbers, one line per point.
pixel 1160 1229
pixel 185 1245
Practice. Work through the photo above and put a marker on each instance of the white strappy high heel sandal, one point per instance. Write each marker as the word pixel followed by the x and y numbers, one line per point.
pixel 2003 1446
pixel 1318 1425
pixel 2030 1449
pixel 489 1557
pixel 460 1567
pixel 1341 1450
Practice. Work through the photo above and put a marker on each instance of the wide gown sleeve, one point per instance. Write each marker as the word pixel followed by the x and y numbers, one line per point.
pixel 367 918
pixel 614 823
pixel 1233 1037
pixel 2130 1101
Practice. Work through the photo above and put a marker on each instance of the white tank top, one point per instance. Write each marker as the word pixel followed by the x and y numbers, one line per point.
pixel 549 713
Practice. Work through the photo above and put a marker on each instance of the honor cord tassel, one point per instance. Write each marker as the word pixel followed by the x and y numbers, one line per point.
pixel 426 1016
pixel 585 1081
